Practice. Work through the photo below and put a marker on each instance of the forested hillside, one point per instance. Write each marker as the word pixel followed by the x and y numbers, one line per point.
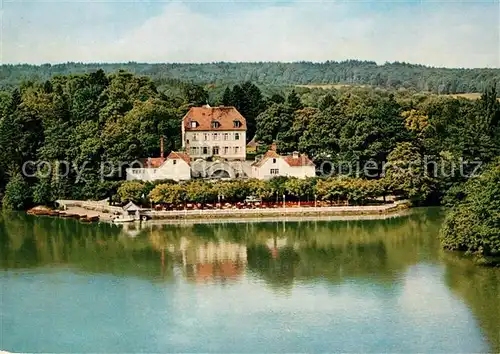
pixel 90 119
pixel 353 72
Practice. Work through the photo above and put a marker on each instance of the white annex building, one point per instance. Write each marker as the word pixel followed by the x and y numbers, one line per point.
pixel 214 139
pixel 214 132
pixel 274 165
pixel 177 166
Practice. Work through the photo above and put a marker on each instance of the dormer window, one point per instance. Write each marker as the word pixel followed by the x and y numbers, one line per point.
pixel 215 124
pixel 194 124
pixel 236 124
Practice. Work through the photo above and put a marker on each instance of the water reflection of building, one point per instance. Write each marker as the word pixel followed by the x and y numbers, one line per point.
pixel 132 229
pixel 274 244
pixel 215 260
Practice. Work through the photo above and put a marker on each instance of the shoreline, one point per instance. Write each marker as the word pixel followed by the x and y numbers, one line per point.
pixel 106 212
pixel 278 218
pixel 311 212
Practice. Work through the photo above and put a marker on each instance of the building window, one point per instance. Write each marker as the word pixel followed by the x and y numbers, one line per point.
pixel 236 124
pixel 194 150
pixel 275 171
pixel 274 160
pixel 226 136
pixel 174 162
pixel 205 136
pixel 236 136
pixel 205 150
pixel 215 136
pixel 215 150
pixel 195 137
pixel 215 124
pixel 236 149
pixel 226 150
pixel 194 124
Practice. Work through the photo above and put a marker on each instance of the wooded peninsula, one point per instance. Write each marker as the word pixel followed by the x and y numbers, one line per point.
pixel 441 148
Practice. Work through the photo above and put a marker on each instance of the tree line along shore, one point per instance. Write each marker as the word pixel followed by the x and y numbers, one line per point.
pixel 338 191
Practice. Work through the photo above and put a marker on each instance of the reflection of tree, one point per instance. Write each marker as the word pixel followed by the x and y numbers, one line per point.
pixel 330 250
pixel 279 253
pixel 278 271
pixel 377 250
pixel 480 289
pixel 28 242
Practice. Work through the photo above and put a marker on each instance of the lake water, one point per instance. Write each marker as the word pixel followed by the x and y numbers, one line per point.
pixel 349 286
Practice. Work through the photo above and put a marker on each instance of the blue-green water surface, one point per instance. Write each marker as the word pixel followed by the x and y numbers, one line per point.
pixel 350 286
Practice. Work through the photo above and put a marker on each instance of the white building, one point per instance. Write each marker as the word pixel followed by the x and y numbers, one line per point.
pixel 214 132
pixel 176 166
pixel 274 165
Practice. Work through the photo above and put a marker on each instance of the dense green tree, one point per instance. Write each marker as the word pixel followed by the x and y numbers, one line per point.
pixel 302 189
pixel 327 101
pixel 199 192
pixel 43 192
pixel 288 138
pixel 17 193
pixel 293 101
pixel 406 172
pixel 195 95
pixel 131 191
pixel 473 223
pixel 168 193
pixel 277 98
pixel 227 97
pixel 248 100
pixel 275 120
pixel 360 128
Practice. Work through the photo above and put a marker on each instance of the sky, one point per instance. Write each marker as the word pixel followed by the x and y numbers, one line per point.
pixel 437 33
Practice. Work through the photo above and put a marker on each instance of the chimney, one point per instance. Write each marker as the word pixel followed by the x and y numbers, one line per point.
pixel 295 154
pixel 148 163
pixel 273 147
pixel 162 152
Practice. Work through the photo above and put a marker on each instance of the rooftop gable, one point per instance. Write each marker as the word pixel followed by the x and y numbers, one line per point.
pixel 299 160
pixel 174 155
pixel 157 162
pixel 295 160
pixel 214 118
pixel 268 155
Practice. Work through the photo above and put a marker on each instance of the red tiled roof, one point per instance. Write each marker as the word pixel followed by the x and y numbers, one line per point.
pixel 179 155
pixel 205 115
pixel 267 155
pixel 298 161
pixel 253 143
pixel 154 162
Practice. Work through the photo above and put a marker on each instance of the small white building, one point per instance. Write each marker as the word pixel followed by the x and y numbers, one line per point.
pixel 273 165
pixel 177 166
pixel 214 132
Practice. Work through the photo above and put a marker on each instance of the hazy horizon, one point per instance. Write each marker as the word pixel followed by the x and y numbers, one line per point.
pixel 439 34
pixel 243 62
